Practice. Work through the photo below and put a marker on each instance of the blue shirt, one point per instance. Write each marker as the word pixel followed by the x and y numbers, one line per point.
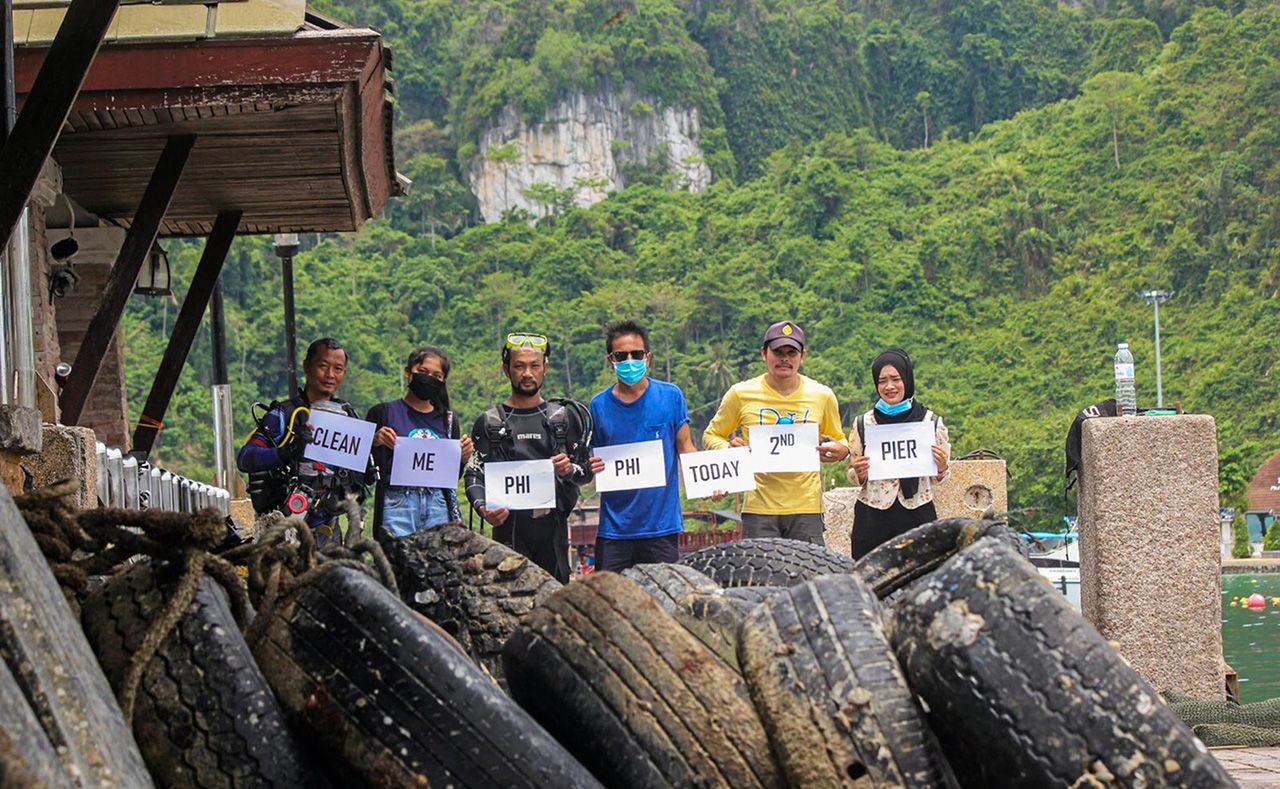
pixel 658 414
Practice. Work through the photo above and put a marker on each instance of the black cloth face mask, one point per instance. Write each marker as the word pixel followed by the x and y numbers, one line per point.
pixel 426 387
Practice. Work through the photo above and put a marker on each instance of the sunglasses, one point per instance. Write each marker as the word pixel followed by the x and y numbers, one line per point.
pixel 622 356
pixel 536 341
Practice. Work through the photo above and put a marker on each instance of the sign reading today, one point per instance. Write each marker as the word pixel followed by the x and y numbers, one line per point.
pixel 339 440
pixel 790 447
pixel 426 462
pixel 903 450
pixel 631 466
pixel 727 470
pixel 520 485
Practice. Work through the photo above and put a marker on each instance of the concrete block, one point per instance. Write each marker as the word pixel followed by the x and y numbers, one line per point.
pixel 974 487
pixel 242 514
pixel 19 429
pixel 839 519
pixel 1149 566
pixel 69 453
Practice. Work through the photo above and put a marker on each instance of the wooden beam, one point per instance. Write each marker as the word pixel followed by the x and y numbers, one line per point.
pixel 53 90
pixel 194 305
pixel 124 275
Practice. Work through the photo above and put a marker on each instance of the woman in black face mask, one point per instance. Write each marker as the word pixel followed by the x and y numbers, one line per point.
pixel 423 412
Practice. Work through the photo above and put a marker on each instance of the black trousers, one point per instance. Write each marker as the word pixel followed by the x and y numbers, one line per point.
pixel 871 526
pixel 545 540
pixel 617 555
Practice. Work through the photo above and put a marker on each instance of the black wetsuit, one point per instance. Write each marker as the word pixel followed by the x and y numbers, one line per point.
pixel 504 433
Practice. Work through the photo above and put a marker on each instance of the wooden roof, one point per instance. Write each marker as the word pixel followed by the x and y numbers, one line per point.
pixel 295 131
pixel 1263 494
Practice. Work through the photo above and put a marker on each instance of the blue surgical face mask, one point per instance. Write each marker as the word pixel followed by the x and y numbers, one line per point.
pixel 893 410
pixel 631 371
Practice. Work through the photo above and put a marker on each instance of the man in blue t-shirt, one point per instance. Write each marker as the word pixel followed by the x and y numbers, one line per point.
pixel 639 526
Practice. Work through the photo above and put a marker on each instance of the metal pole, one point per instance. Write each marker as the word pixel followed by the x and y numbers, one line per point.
pixel 1159 383
pixel 290 329
pixel 8 107
pixel 221 390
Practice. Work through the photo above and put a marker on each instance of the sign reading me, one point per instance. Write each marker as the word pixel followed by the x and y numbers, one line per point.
pixel 901 451
pixel 520 485
pixel 631 466
pixel 784 447
pixel 426 462
pixel 339 440
pixel 716 470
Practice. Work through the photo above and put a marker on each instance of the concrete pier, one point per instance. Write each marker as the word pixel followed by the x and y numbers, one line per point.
pixel 1149 559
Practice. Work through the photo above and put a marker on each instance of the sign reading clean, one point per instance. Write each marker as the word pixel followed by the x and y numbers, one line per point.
pixel 901 451
pixel 338 440
pixel 631 466
pixel 717 470
pixel 520 485
pixel 426 462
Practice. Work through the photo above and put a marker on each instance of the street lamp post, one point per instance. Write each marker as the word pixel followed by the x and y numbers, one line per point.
pixel 286 246
pixel 1155 298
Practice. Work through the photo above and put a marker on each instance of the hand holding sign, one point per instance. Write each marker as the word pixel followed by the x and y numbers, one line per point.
pixel 520 485
pixel 426 462
pixel 717 471
pixel 900 451
pixel 785 447
pixel 338 440
pixel 631 466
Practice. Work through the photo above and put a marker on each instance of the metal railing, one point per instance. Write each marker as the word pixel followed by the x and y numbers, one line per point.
pixel 125 482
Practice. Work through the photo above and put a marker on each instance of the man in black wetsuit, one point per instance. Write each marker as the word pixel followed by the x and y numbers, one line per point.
pixel 528 427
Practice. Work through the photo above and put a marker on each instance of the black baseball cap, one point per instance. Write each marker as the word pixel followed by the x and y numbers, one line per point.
pixel 784 333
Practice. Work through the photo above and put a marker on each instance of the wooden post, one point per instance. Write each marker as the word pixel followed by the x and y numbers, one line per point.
pixel 124 274
pixel 47 105
pixel 194 305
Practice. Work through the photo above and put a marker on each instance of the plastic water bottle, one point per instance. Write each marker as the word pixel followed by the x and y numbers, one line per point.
pixel 1126 397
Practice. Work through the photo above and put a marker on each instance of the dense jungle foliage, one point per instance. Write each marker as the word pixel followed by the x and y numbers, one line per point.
pixel 1076 156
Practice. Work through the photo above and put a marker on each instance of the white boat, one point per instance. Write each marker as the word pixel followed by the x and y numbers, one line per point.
pixel 1057 557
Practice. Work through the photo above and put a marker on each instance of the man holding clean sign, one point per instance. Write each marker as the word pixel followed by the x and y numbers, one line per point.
pixel 642 424
pixel 792 424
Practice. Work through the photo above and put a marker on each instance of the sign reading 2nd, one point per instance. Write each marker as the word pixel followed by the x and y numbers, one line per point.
pixel 784 441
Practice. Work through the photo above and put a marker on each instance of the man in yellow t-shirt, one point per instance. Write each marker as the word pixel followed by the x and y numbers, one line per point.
pixel 783 504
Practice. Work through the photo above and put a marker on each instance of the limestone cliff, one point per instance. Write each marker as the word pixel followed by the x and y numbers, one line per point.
pixel 582 148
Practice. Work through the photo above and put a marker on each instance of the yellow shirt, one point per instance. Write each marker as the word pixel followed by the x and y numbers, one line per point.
pixel 753 402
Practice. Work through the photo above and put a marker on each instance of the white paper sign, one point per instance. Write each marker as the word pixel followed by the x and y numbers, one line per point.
pixel 727 470
pixel 631 466
pixel 899 451
pixel 520 485
pixel 792 447
pixel 338 440
pixel 426 462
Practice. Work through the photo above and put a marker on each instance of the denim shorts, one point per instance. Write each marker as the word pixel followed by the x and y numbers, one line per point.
pixel 408 510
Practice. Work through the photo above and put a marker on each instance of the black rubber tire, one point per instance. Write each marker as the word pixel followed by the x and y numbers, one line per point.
pixel 830 692
pixel 636 697
pixel 1022 691
pixel 714 618
pixel 204 714
pixel 27 758
pixel 669 582
pixel 766 561
pixel 392 702
pixel 478 590
pixel 748 597
pixel 55 671
pixel 900 562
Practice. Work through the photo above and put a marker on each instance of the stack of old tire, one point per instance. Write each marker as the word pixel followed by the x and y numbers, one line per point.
pixel 941 659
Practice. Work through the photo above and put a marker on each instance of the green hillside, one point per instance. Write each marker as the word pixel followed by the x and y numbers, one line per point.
pixel 1006 263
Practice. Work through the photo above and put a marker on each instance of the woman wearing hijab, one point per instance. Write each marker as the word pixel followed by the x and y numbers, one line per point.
pixel 423 412
pixel 889 507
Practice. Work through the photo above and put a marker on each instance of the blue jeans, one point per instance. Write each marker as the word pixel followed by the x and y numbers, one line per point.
pixel 408 510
